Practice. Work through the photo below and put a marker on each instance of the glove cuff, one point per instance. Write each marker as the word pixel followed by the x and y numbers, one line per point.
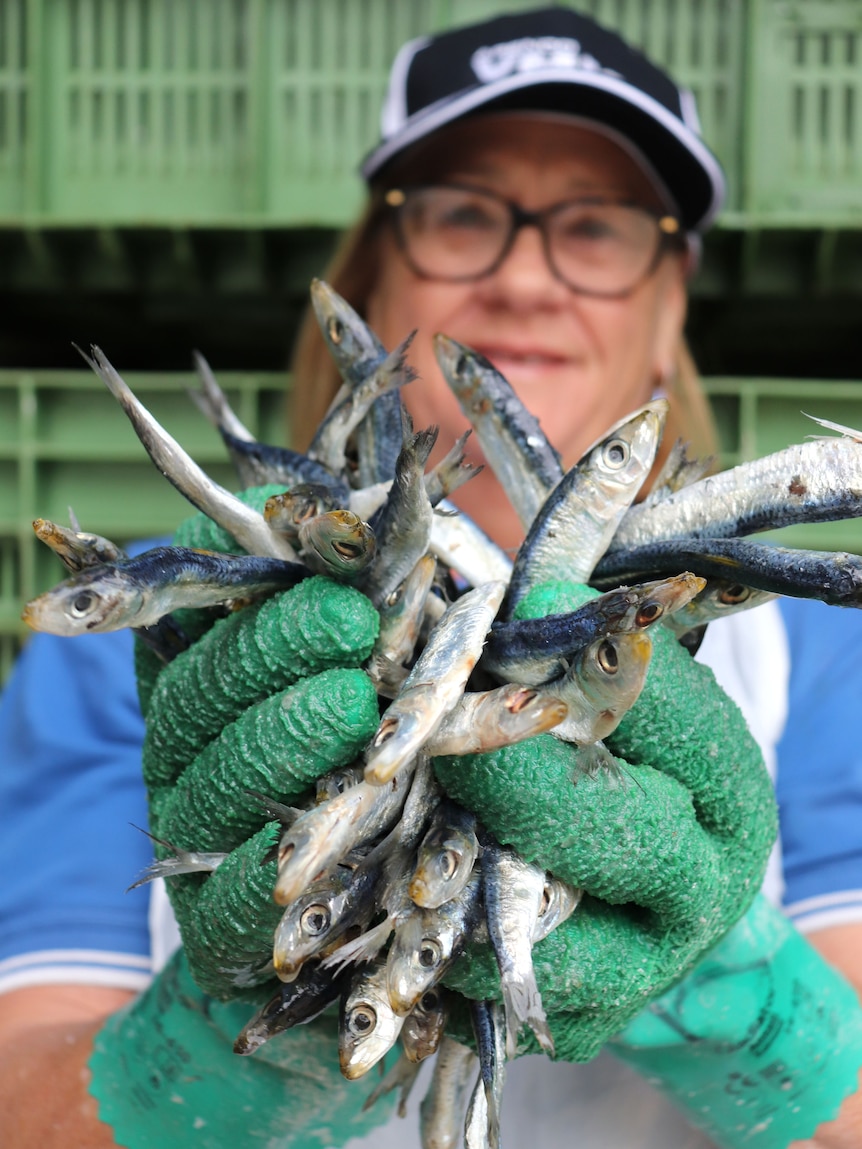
pixel 164 1073
pixel 759 1044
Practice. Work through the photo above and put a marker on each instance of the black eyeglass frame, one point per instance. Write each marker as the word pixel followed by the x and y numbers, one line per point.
pixel 670 234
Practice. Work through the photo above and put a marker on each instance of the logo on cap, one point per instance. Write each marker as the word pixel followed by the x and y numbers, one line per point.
pixel 533 54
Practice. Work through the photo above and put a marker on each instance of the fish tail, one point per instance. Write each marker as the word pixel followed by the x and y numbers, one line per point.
pixel 523 1005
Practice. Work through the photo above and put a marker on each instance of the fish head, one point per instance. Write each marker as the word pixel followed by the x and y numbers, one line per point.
pixel 305 927
pixel 368 1026
pixel 623 457
pixel 341 540
pixel 611 673
pixel 348 337
pixel 653 601
pixel 424 1025
pixel 559 902
pixel 421 951
pixel 81 605
pixel 443 865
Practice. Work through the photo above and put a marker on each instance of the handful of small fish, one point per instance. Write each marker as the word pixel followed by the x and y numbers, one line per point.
pixel 384 880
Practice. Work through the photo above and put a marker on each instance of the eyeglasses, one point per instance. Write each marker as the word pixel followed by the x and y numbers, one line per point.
pixel 594 246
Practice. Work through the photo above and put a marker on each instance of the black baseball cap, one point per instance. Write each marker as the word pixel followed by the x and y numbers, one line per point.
pixel 554 60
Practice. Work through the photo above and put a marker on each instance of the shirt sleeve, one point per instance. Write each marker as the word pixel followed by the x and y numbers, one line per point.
pixel 819 783
pixel 71 795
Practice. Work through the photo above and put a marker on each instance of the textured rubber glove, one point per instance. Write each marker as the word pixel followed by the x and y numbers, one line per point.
pixel 265 700
pixel 670 856
pixel 165 1074
pixel 761 1042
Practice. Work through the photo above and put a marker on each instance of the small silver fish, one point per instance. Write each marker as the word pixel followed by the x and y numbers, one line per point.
pixel 368 1026
pixel 142 590
pixel 445 857
pixel 719 598
pixel 461 545
pixel 401 1076
pixel 426 943
pixel 288 511
pixel 514 890
pixel 601 685
pixel 435 683
pixel 77 549
pixel 441 1114
pixel 493 718
pixel 425 1024
pixel 246 525
pixel 338 544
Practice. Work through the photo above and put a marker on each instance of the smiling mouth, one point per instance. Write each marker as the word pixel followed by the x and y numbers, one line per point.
pixel 498 355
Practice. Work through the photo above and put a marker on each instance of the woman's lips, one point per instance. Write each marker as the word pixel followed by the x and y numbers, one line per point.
pixel 523 359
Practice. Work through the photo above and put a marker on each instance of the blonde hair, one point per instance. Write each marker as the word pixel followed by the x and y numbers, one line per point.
pixel 353 273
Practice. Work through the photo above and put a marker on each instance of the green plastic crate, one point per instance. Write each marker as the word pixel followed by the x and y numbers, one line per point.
pixel 64 441
pixel 804 127
pixel 253 112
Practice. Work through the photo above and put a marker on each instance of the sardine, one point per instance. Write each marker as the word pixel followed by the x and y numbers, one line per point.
pixel 602 684
pixel 294 1004
pixel 559 902
pixel 513 442
pixel 338 544
pixel 441 1120
pixel 323 913
pixel 490 719
pixel 288 511
pixel 246 525
pixel 403 525
pixel 834 577
pixel 572 530
pixel 513 892
pixel 368 1027
pixel 401 613
pixel 140 591
pixel 425 1024
pixel 444 860
pixel 719 598
pixel 535 650
pixel 330 440
pixel 814 482
pixel 435 683
pixel 180 862
pixel 353 345
pixel 483 1119
pixel 322 836
pixel 77 550
pixel 426 943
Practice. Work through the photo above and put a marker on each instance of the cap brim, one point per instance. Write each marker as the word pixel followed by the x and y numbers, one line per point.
pixel 690 171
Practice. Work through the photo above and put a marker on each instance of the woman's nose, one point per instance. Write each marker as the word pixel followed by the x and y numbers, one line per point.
pixel 525 278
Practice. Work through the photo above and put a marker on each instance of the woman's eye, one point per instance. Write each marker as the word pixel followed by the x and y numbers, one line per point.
pixel 469 217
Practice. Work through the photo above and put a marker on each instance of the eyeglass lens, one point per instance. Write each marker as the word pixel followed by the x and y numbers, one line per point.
pixel 453 233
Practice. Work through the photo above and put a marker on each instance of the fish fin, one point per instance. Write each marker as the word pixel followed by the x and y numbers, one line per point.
pixel 592 759
pixel 73 521
pixel 170 867
pixel 847 432
pixel 523 1005
pixel 401 1076
pixel 364 948
pixel 287 815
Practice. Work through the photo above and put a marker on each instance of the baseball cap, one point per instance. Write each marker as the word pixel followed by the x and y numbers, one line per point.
pixel 553 60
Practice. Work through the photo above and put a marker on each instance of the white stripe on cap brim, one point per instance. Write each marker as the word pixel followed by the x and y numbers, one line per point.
pixel 445 110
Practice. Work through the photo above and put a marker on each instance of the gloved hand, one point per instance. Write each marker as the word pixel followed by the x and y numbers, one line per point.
pixel 761 1042
pixel 266 700
pixel 670 857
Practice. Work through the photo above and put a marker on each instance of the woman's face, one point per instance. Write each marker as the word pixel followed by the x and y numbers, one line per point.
pixel 578 363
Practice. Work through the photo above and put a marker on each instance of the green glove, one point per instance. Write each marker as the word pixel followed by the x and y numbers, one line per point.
pixel 670 858
pixel 165 1074
pixel 760 1043
pixel 266 700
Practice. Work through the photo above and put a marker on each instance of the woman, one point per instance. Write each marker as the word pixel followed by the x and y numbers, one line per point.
pixel 538 195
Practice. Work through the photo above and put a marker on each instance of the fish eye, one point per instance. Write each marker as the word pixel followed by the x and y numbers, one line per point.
pixel 361 1020
pixel 648 613
pixel 396 595
pixel 314 919
pixel 347 550
pixel 448 864
pixel 616 454
pixel 430 1000
pixel 82 604
pixel 387 728
pixel 607 658
pixel 733 595
pixel 336 330
pixel 429 953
